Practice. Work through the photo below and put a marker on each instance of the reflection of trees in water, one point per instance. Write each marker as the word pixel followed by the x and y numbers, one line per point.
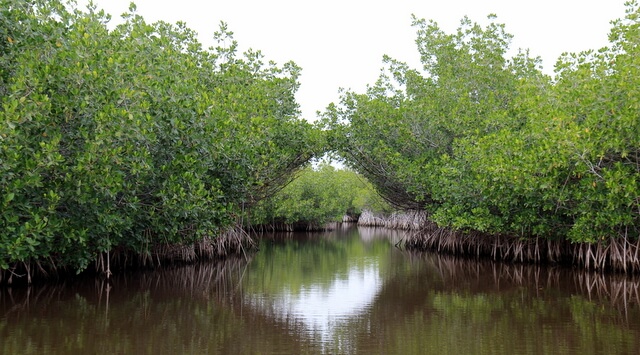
pixel 619 290
pixel 180 309
pixel 201 281
pixel 338 230
pixel 444 304
pixel 221 279
pixel 374 233
pixel 428 302
pixel 16 300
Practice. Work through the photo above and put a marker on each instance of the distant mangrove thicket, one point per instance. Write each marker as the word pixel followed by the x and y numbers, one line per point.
pixel 123 138
pixel 317 196
pixel 486 143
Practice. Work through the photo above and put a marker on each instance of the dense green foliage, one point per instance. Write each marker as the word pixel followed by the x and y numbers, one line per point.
pixel 133 135
pixel 129 136
pixel 490 143
pixel 319 195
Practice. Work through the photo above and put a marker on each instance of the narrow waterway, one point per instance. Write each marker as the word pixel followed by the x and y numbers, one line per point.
pixel 343 292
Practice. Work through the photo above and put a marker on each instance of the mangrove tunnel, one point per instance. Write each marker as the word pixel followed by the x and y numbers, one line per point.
pixel 132 146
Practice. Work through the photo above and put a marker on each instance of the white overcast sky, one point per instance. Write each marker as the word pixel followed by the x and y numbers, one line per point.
pixel 340 43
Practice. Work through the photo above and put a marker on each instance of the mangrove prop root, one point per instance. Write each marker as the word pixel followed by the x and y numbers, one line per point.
pixel 233 241
pixel 620 253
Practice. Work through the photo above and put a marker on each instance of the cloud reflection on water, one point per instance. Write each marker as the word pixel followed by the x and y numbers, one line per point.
pixel 323 311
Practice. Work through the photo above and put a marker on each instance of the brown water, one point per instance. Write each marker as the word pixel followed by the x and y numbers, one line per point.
pixel 348 292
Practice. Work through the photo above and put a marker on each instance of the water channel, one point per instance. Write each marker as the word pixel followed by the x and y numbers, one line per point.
pixel 349 291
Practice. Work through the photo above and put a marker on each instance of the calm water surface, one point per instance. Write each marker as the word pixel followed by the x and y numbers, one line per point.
pixel 344 292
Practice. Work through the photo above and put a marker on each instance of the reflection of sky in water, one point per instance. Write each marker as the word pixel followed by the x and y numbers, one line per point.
pixel 323 309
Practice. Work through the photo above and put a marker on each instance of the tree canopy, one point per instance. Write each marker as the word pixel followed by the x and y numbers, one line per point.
pixel 487 142
pixel 130 136
pixel 134 135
